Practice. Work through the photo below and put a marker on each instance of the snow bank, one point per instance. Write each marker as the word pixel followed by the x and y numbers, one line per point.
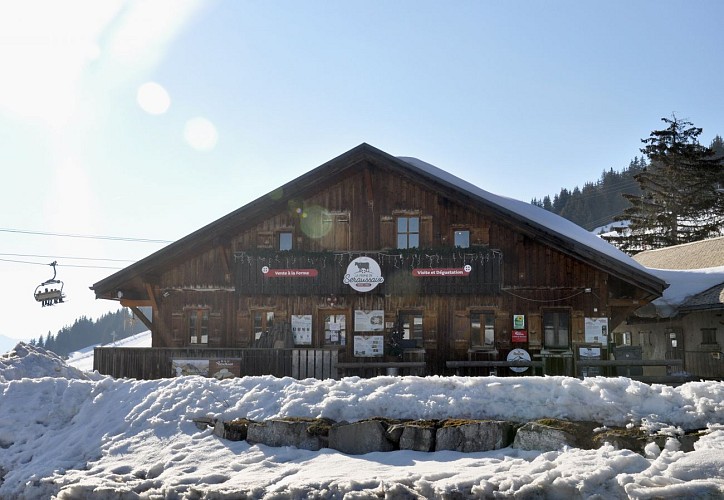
pixel 27 361
pixel 70 435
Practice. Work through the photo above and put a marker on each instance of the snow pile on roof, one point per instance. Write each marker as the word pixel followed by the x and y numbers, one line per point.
pixel 122 438
pixel 547 220
pixel 683 285
pixel 27 361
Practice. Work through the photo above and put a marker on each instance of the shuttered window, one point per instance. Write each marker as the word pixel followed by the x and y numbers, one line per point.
pixel 408 232
pixel 197 326
pixel 482 329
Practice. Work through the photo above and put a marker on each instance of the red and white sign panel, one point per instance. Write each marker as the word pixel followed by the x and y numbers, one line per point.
pixel 519 336
pixel 437 272
pixel 289 273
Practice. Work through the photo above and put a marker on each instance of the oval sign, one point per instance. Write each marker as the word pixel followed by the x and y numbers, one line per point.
pixel 363 274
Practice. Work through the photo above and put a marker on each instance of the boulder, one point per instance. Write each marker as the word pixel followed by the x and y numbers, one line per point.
pixel 535 436
pixel 361 437
pixel 300 433
pixel 473 435
pixel 418 437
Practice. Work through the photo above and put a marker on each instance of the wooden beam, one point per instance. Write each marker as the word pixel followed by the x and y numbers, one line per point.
pixel 152 297
pixel 139 314
pixel 136 303
pixel 625 303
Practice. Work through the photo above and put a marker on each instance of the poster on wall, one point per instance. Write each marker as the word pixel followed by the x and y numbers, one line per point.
pixel 596 330
pixel 368 346
pixel 224 368
pixel 182 367
pixel 588 353
pixel 518 321
pixel 369 321
pixel 302 329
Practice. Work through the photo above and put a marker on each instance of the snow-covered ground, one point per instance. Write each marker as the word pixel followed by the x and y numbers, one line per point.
pixel 67 433
pixel 83 359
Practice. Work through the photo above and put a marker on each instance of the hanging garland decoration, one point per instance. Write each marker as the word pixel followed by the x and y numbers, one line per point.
pixel 486 276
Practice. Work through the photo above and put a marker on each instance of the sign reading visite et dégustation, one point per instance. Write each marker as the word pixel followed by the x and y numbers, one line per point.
pixel 363 274
pixel 436 272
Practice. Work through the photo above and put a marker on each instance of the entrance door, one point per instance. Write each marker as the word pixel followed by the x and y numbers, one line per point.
pixel 557 353
pixel 674 348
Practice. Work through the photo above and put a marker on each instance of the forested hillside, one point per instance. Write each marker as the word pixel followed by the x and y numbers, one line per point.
pixel 85 332
pixel 607 199
pixel 597 203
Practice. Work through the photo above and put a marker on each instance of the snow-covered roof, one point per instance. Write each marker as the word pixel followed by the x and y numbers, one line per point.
pixel 542 219
pixel 685 289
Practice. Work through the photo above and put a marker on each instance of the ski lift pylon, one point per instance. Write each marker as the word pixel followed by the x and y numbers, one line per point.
pixel 51 291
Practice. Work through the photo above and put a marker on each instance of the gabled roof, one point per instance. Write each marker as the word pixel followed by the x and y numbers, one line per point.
pixel 537 222
pixel 711 299
pixel 695 255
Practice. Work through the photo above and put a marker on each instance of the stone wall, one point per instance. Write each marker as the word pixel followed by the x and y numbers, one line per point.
pixel 462 435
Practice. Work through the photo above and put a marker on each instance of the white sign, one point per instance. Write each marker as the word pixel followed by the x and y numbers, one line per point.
pixel 368 346
pixel 369 321
pixel 302 329
pixel 363 274
pixel 596 330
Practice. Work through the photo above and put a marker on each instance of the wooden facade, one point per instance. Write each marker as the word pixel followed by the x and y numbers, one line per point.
pixel 450 274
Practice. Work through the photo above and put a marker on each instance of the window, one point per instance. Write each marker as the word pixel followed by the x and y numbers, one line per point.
pixel 462 238
pixel 411 325
pixel 285 240
pixel 482 329
pixel 262 322
pixel 625 338
pixel 556 328
pixel 197 323
pixel 408 232
pixel 708 335
pixel 335 329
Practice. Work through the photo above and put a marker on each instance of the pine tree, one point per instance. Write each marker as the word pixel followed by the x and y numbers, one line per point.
pixel 679 202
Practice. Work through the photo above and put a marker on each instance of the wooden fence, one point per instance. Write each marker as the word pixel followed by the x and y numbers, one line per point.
pixel 154 362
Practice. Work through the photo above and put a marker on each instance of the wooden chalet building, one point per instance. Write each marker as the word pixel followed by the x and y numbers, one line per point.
pixel 376 259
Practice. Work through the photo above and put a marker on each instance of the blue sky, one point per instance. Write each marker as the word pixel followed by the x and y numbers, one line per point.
pixel 520 98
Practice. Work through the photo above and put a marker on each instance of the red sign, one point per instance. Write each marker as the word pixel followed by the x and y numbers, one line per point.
pixel 289 273
pixel 519 336
pixel 437 272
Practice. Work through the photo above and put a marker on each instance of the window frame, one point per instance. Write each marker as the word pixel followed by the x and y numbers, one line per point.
pixel 201 319
pixel 708 336
pixel 557 314
pixel 405 233
pixel 457 231
pixel 486 322
pixel 280 235
pixel 264 322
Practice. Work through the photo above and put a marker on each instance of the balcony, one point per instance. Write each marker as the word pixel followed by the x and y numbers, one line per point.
pixel 401 272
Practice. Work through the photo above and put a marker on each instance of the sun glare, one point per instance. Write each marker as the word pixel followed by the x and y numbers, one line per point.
pixel 201 134
pixel 153 98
